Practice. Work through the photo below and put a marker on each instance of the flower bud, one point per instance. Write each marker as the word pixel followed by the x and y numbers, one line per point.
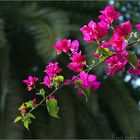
pixel 23 111
pixel 52 97
pixel 34 101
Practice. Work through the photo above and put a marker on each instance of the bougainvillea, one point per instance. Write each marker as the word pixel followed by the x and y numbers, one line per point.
pixel 31 81
pixel 115 52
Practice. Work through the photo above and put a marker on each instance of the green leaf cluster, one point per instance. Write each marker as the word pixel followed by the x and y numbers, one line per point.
pixel 26 120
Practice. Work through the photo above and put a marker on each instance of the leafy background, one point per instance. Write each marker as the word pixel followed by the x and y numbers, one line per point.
pixel 28 30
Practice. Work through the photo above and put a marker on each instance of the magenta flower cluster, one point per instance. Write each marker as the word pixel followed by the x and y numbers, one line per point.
pixel 114 52
pixel 66 45
pixel 93 32
pixel 51 70
pixel 118 43
pixel 31 81
pixel 87 81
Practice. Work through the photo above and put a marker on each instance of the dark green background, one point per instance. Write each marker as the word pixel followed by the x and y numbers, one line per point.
pixel 28 30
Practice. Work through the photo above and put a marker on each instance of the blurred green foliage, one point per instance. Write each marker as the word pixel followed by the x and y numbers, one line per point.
pixel 28 30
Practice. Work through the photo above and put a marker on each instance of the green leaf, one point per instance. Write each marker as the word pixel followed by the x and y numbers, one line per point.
pixel 18 118
pixel 57 81
pixel 26 124
pixel 26 121
pixel 132 59
pixel 41 92
pixel 30 115
pixel 29 104
pixel 52 107
pixel 22 107
pixel 86 91
pixel 104 52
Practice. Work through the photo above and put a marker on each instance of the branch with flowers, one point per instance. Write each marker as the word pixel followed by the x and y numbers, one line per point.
pixel 115 52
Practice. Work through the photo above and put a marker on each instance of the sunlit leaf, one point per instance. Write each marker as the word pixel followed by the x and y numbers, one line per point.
pixel 104 52
pixel 52 107
pixel 22 107
pixel 29 104
pixel 57 80
pixel 26 121
pixel 18 118
pixel 30 115
pixel 41 92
